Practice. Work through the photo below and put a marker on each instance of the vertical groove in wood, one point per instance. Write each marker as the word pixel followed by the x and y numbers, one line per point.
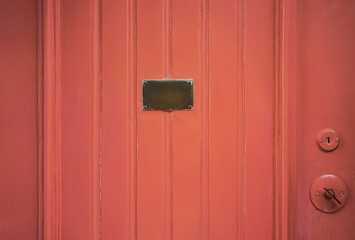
pixel 277 122
pixel 58 115
pixel 167 39
pixel 205 112
pixel 52 140
pixel 40 203
pixel 283 152
pixel 101 116
pixel 132 86
pixel 168 133
pixel 168 119
pixel 95 119
pixel 290 133
pixel 242 18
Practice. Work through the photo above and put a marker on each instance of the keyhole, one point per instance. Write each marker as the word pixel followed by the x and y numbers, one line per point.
pixel 328 139
pixel 330 193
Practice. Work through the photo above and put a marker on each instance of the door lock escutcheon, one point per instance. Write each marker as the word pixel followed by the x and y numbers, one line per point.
pixel 328 139
pixel 329 193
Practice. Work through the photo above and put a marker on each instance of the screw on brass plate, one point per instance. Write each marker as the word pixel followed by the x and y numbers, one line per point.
pixel 341 194
pixel 317 194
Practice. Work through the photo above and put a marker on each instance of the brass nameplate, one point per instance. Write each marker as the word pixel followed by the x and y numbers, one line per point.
pixel 168 95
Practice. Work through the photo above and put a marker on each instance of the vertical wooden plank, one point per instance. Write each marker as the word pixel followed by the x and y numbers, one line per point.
pixel 132 111
pixel 96 124
pixel 205 24
pixel 18 120
pixel 187 125
pixel 76 73
pixel 51 120
pixel 79 74
pixel 40 123
pixel 167 31
pixel 116 122
pixel 151 179
pixel 226 112
pixel 285 196
pixel 259 118
pixel 324 97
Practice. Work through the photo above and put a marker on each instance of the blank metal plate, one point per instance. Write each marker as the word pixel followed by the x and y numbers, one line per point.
pixel 168 95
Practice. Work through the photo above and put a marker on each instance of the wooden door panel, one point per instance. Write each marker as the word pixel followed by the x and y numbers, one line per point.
pixel 324 97
pixel 259 117
pixel 19 120
pixel 75 78
pixel 116 135
pixel 187 137
pixel 150 158
pixel 268 76
pixel 233 163
pixel 224 106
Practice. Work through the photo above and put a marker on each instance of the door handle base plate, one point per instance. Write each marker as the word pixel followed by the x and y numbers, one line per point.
pixel 322 200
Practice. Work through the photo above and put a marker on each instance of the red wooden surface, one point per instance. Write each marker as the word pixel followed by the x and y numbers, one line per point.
pixel 324 97
pixel 72 120
pixel 18 120
pixel 268 76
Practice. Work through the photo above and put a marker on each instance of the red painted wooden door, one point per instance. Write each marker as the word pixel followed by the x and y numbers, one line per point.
pixel 20 140
pixel 268 77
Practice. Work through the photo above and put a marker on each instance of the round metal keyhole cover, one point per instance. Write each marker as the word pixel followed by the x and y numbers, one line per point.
pixel 328 139
pixel 329 193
